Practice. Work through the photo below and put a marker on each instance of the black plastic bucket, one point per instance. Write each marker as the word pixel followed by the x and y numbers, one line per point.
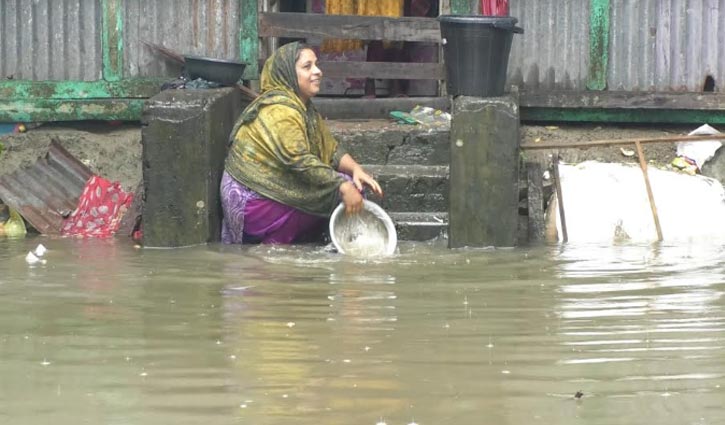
pixel 476 52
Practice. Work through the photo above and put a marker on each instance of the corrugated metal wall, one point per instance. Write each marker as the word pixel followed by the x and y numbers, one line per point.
pixel 655 45
pixel 553 52
pixel 61 39
pixel 666 45
pixel 202 27
pixel 50 40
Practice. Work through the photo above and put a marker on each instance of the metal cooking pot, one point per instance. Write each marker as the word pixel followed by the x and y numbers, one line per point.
pixel 226 72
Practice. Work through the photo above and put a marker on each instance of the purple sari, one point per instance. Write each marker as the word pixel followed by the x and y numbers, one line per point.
pixel 250 217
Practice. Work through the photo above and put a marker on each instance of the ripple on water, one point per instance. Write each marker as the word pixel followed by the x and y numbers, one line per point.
pixel 431 333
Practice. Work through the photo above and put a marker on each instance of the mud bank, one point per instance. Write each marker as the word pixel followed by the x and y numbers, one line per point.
pixel 114 152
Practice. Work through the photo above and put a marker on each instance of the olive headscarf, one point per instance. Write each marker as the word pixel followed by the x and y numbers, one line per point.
pixel 281 147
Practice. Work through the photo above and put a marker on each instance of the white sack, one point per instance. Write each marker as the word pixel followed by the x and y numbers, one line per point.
pixel 607 203
pixel 700 152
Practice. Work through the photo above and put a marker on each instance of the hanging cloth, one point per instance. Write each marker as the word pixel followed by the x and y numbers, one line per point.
pixel 390 8
pixel 495 7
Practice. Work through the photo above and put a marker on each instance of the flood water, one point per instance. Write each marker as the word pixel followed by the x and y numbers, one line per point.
pixel 105 333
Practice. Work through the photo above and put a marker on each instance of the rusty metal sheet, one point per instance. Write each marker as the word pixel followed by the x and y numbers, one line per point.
pixel 47 191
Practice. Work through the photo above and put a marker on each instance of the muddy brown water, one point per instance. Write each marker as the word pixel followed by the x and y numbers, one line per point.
pixel 104 333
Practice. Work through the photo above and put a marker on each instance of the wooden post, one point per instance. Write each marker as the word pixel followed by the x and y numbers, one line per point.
pixel 560 198
pixel 535 202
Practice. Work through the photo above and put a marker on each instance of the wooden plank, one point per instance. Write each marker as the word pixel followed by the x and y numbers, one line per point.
pixel 623 100
pixel 112 39
pixel 44 90
pixel 248 39
pixel 599 12
pixel 383 70
pixel 535 201
pixel 304 25
pixel 649 116
pixel 41 110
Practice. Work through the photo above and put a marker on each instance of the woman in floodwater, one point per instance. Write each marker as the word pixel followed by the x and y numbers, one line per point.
pixel 285 173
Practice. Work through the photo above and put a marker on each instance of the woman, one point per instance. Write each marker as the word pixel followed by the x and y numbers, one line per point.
pixel 285 173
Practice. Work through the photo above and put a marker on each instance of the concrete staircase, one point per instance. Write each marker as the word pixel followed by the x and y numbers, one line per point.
pixel 411 164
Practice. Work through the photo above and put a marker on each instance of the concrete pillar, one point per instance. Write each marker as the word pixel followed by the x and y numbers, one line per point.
pixel 184 138
pixel 484 169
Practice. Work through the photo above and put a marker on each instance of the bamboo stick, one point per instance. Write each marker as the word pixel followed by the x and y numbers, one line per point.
pixel 247 91
pixel 559 197
pixel 615 142
pixel 653 207
pixel 179 58
pixel 165 51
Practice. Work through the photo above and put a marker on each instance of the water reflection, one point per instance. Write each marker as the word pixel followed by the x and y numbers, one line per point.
pixel 313 340
pixel 650 317
pixel 104 333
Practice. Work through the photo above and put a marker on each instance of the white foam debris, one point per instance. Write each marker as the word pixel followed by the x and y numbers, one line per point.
pixel 33 259
pixel 40 250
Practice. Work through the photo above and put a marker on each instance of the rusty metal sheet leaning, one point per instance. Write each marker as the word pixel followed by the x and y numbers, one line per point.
pixel 47 191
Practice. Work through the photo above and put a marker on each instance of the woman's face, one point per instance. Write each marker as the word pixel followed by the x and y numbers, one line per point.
pixel 308 74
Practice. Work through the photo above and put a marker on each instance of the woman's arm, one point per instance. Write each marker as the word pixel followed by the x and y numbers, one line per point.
pixel 359 177
pixel 350 192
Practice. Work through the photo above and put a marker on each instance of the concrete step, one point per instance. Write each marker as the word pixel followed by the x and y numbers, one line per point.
pixel 384 142
pixel 411 165
pixel 411 188
pixel 333 108
pixel 420 226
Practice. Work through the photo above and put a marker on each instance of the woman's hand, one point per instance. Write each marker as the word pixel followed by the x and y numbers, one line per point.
pixel 360 178
pixel 351 197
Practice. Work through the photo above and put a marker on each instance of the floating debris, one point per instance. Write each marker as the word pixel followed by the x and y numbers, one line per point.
pixel 40 250
pixel 627 152
pixel 33 259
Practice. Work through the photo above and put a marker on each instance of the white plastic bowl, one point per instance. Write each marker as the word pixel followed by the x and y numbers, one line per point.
pixel 368 233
